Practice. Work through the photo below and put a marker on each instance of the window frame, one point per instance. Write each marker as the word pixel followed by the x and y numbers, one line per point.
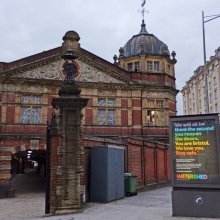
pixel 107 108
pixel 149 65
pixel 157 66
pixel 32 106
pixel 137 66
pixel 130 67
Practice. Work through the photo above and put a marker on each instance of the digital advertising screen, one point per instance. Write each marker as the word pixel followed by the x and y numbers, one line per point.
pixel 194 142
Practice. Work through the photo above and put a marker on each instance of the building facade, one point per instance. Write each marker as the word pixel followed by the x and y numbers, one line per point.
pixel 196 89
pixel 133 97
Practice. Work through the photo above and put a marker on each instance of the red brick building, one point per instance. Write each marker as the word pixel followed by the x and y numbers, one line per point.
pixel 131 99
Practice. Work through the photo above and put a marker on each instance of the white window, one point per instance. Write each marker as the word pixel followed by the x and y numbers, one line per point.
pixel 215 94
pixel 129 66
pixel 30 109
pixel 200 104
pixel 136 66
pixel 156 66
pixel 168 67
pixel 149 65
pixel 106 111
pixel 150 117
pixel 216 107
pixel 159 103
pixel 210 98
pixel 156 118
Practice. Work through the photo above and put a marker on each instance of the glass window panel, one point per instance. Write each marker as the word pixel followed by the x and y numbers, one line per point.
pixel 101 117
pixel 159 103
pixel 111 117
pixel 215 94
pixel 129 66
pixel 168 66
pixel 210 98
pixel 156 66
pixel 149 65
pixel 101 102
pixel 36 113
pixel 37 99
pixel 111 102
pixel 25 117
pixel 150 117
pixel 216 107
pixel 161 118
pixel 136 66
pixel 25 99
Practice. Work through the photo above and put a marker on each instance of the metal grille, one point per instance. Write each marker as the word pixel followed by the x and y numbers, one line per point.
pixel 111 117
pixel 36 113
pixel 36 99
pixel 25 99
pixel 101 117
pixel 25 117
pixel 101 102
pixel 111 102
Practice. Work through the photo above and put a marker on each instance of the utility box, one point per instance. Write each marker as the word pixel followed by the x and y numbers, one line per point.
pixel 107 173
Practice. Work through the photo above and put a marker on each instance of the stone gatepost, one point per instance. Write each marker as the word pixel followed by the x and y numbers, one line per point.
pixel 66 151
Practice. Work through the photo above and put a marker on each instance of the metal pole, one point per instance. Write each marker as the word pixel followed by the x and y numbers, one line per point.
pixel 205 67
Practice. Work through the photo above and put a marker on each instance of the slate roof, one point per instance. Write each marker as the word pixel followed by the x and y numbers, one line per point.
pixel 150 43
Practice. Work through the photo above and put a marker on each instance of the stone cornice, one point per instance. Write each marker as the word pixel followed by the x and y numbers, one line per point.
pixel 90 85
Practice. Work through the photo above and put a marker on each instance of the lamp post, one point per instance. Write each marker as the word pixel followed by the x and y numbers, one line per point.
pixel 206 19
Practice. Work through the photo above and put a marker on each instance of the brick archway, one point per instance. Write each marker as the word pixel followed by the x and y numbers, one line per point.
pixel 6 154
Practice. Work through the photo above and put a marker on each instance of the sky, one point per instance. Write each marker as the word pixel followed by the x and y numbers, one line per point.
pixel 32 26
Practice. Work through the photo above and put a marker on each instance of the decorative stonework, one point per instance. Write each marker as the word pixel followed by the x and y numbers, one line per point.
pixel 107 92
pixel 155 95
pixel 31 88
pixel 53 71
pixel 59 170
pixel 59 190
pixel 159 95
pixel 60 150
pixel 90 74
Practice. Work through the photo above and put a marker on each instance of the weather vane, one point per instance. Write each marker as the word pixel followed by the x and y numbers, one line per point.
pixel 143 10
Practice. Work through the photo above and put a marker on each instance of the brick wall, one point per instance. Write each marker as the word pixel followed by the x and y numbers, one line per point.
pixel 148 160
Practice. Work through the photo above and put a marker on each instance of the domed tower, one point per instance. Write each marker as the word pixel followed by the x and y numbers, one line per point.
pixel 151 67
pixel 144 52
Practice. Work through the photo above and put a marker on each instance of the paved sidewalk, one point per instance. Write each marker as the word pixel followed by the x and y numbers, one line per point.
pixel 149 205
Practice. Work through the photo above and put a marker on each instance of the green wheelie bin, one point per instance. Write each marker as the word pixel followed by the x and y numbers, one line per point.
pixel 130 184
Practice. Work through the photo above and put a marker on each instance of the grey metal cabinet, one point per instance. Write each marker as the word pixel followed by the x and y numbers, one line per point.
pixel 107 174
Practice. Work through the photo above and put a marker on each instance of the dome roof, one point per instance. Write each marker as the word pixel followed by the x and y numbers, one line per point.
pixel 145 43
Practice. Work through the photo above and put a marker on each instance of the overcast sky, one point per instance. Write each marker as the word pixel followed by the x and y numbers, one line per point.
pixel 32 26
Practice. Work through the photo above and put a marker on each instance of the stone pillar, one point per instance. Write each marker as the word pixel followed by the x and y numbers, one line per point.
pixel 66 151
pixel 5 173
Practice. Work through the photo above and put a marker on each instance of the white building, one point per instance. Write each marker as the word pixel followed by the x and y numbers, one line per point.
pixel 194 92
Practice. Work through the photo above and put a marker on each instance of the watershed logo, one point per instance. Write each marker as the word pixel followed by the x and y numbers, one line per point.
pixel 191 176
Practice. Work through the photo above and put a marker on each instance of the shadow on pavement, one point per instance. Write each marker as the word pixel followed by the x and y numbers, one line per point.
pixel 29 182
